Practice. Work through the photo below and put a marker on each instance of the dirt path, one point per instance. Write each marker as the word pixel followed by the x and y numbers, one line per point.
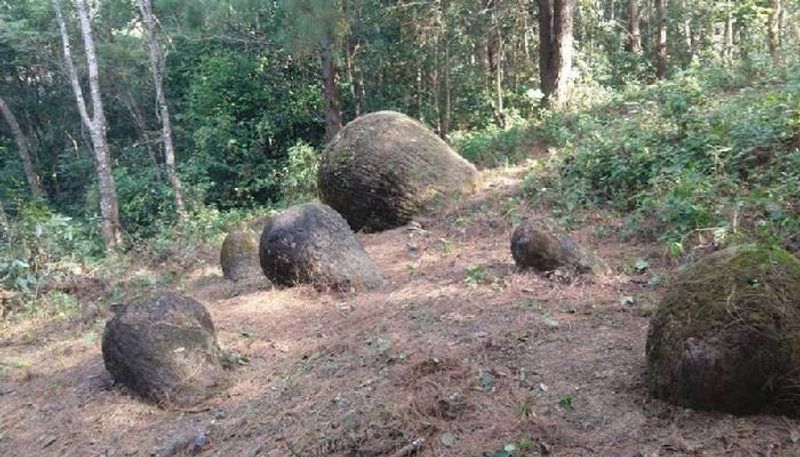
pixel 459 350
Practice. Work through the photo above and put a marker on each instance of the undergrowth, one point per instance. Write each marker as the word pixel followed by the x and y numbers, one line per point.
pixel 706 157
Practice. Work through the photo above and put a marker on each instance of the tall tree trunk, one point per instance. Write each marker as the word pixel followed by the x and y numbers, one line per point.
pixel 330 89
pixel 157 66
pixel 774 29
pixel 350 55
pixel 110 226
pixel 444 80
pixel 22 148
pixel 546 50
pixel 662 63
pixel 555 47
pixel 129 100
pixel 727 51
pixel 634 38
pixel 496 63
pixel 687 30
pixel 781 22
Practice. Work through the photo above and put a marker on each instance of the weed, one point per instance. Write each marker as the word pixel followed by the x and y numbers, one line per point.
pixel 477 275
pixel 525 408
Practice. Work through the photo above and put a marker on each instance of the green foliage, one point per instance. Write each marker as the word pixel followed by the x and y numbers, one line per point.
pixel 307 23
pixel 242 133
pixel 145 198
pixel 494 146
pixel 299 174
pixel 686 156
pixel 476 275
pixel 40 245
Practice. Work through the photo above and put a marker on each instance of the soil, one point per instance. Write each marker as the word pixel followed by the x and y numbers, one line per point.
pixel 459 354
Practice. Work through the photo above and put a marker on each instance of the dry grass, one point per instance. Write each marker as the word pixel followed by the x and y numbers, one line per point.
pixel 456 344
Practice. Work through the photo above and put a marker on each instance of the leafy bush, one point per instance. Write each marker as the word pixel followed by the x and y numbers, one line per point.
pixel 39 245
pixel 690 155
pixel 298 176
pixel 494 146
pixel 145 198
pixel 242 133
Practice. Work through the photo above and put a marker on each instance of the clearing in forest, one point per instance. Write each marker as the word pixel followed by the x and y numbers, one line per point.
pixel 458 353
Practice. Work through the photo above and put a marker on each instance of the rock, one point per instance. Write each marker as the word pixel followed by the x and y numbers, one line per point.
pixel 165 350
pixel 383 168
pixel 186 444
pixel 313 244
pixel 239 255
pixel 539 243
pixel 725 336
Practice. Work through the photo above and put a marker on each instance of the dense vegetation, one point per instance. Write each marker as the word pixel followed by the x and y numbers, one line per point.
pixel 684 116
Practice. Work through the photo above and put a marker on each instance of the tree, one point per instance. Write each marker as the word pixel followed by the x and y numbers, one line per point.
pixel 495 56
pixel 634 34
pixel 316 26
pixel 22 148
pixel 110 225
pixel 774 28
pixel 727 51
pixel 445 105
pixel 555 49
pixel 661 38
pixel 157 67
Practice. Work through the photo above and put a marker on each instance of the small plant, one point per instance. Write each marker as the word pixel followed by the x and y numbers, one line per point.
pixel 447 246
pixel 476 275
pixel 525 408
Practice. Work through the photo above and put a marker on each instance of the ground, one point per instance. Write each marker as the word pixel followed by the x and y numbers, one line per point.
pixel 459 354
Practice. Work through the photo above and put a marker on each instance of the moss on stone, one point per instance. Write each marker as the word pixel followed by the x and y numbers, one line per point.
pixel 384 168
pixel 727 334
pixel 238 256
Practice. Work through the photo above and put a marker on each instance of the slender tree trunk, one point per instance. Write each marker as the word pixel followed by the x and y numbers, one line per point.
pixel 96 124
pixel 444 80
pixel 662 63
pixel 634 41
pixel 546 49
pixel 157 66
pixel 687 31
pixel 727 51
pixel 556 50
pixel 22 148
pixel 129 100
pixel 496 64
pixel 350 55
pixel 330 90
pixel 774 29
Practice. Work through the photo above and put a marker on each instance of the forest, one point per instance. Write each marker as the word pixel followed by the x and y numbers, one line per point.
pixel 526 228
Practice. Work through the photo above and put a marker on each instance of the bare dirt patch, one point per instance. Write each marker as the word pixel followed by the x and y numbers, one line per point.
pixel 458 350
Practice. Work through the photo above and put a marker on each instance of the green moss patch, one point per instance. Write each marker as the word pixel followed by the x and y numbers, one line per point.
pixel 727 334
